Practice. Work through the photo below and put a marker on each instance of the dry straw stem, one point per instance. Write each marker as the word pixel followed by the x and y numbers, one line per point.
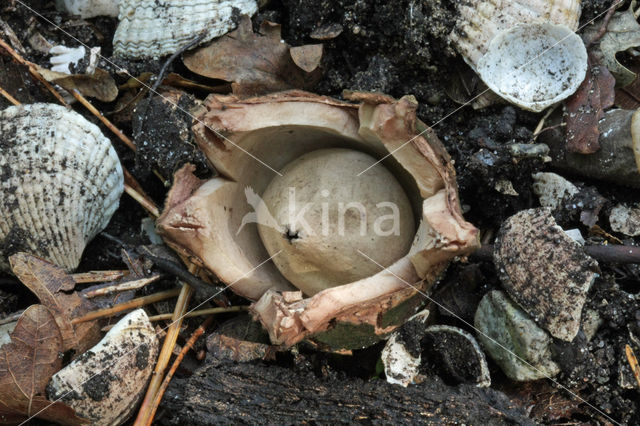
pixel 99 276
pixel 131 304
pixel 202 312
pixel 165 355
pixel 633 362
pixel 8 96
pixel 103 119
pixel 130 285
pixel 165 383
pixel 33 71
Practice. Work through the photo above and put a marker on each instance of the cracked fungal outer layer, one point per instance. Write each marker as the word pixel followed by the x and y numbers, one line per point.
pixel 60 183
pixel 546 272
pixel 246 141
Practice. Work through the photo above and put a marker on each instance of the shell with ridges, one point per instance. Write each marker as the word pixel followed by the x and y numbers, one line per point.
pixel 155 28
pixel 61 183
pixel 480 21
pixel 105 383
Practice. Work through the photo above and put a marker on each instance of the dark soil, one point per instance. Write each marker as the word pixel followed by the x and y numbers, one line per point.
pixel 398 47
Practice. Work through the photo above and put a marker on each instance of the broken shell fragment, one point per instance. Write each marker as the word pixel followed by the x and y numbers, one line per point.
pixel 481 21
pixel 402 354
pixel 89 8
pixel 457 354
pixel 414 347
pixel 544 271
pixel 552 189
pixel 534 66
pixel 106 383
pixel 625 220
pixel 248 141
pixel 151 29
pixel 62 182
pixel 618 158
pixel 513 340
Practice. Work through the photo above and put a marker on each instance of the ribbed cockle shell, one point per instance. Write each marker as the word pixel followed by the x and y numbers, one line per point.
pixel 155 28
pixel 60 183
pixel 480 21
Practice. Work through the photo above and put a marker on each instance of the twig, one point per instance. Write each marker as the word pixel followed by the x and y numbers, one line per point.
pixel 12 317
pixel 633 362
pixel 8 96
pixel 168 62
pixel 98 276
pixel 145 202
pixel 34 72
pixel 605 23
pixel 131 304
pixel 141 194
pixel 610 253
pixel 165 383
pixel 104 119
pixel 129 285
pixel 179 271
pixel 540 125
pixel 202 312
pixel 11 35
pixel 165 354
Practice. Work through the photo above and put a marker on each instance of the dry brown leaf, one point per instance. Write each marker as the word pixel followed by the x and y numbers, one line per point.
pixel 628 97
pixel 99 85
pixel 176 80
pixel 26 366
pixel 307 57
pixel 255 63
pixel 586 107
pixel 48 282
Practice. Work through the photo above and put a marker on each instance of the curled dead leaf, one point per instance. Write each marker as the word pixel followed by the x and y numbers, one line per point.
pixel 585 108
pixel 99 85
pixel 623 32
pixel 26 365
pixel 256 63
pixel 48 282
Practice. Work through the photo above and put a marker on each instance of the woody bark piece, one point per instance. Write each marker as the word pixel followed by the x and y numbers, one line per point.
pixel 257 393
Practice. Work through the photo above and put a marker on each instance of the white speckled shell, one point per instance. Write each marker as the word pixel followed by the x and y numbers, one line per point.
pixel 534 65
pixel 89 8
pixel 118 367
pixel 155 28
pixel 480 21
pixel 60 183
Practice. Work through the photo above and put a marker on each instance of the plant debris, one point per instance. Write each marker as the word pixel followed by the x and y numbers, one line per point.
pixel 257 63
pixel 586 107
pixel 26 365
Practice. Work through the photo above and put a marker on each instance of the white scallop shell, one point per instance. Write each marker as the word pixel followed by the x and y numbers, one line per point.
pixel 106 383
pixel 155 28
pixel 60 183
pixel 480 21
pixel 534 65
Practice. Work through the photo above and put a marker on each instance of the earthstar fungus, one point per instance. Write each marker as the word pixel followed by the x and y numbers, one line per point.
pixel 248 142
